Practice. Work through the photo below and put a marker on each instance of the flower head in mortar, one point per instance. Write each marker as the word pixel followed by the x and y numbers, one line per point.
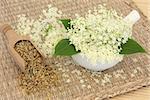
pixel 99 34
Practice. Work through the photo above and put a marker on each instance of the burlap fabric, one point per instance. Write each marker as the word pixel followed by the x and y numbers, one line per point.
pixel 131 74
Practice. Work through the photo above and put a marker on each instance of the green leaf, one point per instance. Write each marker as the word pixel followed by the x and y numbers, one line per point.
pixel 66 23
pixel 131 47
pixel 64 48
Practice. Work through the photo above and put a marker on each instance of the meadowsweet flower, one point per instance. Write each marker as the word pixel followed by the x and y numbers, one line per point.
pixel 45 32
pixel 99 34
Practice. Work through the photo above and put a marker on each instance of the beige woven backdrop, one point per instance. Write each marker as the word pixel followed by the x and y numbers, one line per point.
pixel 131 74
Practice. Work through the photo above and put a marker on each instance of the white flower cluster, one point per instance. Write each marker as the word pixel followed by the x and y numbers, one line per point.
pixel 45 32
pixel 99 34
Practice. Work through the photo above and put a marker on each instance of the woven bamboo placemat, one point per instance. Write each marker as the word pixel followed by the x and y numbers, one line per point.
pixel 131 74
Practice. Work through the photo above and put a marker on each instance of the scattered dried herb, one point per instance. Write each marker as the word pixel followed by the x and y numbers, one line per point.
pixel 37 76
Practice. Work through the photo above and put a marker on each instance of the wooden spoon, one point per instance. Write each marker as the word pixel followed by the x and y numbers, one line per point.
pixel 12 38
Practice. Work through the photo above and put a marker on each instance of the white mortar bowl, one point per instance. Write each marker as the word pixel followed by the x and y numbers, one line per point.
pixel 83 61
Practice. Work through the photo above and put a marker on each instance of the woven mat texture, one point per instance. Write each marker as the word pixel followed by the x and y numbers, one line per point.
pixel 130 74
